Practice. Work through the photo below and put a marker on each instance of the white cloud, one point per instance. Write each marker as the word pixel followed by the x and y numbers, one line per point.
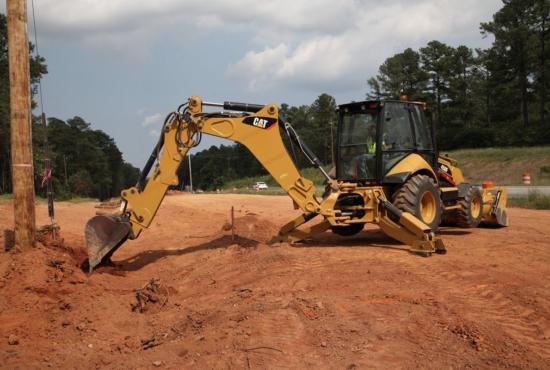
pixel 298 43
pixel 154 133
pixel 376 30
pixel 152 120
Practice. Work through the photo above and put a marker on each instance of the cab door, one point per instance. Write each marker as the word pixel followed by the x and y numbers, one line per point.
pixel 397 136
pixel 424 142
pixel 404 130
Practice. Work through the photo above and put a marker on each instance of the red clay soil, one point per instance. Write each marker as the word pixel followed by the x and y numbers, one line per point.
pixel 185 296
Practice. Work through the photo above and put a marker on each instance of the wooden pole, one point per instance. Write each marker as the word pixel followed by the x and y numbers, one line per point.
pixel 20 116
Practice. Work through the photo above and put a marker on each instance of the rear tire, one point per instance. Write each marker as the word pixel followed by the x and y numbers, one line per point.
pixel 420 196
pixel 471 209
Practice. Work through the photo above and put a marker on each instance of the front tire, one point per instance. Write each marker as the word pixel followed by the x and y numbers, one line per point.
pixel 420 196
pixel 471 209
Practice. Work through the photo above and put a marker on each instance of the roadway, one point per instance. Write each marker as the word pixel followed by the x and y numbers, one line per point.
pixel 520 191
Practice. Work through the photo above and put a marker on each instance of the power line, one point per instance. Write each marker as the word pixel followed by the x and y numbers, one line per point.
pixel 37 54
pixel 47 178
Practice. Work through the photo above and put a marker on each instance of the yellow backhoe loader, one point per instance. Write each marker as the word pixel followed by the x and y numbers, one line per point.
pixel 387 172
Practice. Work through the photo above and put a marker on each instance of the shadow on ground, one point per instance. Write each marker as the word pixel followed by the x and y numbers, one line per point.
pixel 453 231
pixel 364 239
pixel 145 258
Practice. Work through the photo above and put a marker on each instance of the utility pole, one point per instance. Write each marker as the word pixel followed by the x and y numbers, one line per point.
pixel 20 118
pixel 190 174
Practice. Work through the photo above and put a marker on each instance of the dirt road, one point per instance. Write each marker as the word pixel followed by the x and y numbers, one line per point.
pixel 360 302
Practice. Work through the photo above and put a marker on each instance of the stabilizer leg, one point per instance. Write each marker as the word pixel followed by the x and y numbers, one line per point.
pixel 409 230
pixel 290 233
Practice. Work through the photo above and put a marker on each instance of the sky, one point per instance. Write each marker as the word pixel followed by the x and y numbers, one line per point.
pixel 123 65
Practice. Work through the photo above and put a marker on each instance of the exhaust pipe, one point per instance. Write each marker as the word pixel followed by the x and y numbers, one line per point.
pixel 104 235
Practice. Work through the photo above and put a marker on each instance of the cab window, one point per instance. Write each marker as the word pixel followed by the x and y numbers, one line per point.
pixel 397 136
pixel 357 145
pixel 421 129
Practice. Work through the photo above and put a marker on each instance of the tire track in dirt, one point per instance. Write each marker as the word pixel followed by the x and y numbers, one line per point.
pixel 503 307
pixel 520 322
pixel 276 334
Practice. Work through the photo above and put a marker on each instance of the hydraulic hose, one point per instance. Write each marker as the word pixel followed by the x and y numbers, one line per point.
pixel 293 135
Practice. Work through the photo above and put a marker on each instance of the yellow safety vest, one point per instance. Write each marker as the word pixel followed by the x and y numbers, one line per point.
pixel 371 146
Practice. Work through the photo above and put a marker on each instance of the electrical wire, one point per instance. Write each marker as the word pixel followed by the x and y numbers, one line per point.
pixel 47 179
pixel 37 54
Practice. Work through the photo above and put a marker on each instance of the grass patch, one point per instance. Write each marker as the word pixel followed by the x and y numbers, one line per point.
pixel 500 154
pixel 504 166
pixel 37 198
pixel 77 200
pixel 534 200
pixel 270 191
pixel 242 184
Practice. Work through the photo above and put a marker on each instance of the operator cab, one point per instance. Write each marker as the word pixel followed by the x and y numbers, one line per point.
pixel 373 136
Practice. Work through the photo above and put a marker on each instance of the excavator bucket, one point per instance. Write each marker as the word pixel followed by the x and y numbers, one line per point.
pixel 104 234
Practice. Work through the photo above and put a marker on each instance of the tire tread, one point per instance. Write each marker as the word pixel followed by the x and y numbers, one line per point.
pixel 406 197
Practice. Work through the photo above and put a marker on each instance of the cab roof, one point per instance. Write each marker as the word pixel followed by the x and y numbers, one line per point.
pixel 375 104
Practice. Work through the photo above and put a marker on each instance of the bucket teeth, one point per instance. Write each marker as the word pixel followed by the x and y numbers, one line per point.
pixel 104 234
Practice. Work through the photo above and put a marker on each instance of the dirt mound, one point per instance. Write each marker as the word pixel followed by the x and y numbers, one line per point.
pixel 255 228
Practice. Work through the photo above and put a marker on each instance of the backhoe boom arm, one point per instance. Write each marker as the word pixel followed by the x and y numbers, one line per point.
pixel 257 129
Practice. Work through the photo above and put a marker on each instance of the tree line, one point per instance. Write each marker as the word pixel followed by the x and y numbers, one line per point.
pixel 84 162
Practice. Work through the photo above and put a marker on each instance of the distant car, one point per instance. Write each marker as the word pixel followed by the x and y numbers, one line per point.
pixel 260 185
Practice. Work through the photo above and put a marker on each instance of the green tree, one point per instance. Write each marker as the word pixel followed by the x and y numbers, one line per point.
pixel 539 26
pixel 299 118
pixel 399 75
pixel 321 130
pixel 461 79
pixel 87 162
pixel 375 92
pixel 437 59
pixel 511 28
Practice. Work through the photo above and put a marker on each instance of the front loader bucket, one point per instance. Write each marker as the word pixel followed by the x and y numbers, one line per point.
pixel 494 213
pixel 499 218
pixel 104 234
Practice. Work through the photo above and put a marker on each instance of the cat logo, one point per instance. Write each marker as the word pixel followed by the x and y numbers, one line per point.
pixel 260 122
